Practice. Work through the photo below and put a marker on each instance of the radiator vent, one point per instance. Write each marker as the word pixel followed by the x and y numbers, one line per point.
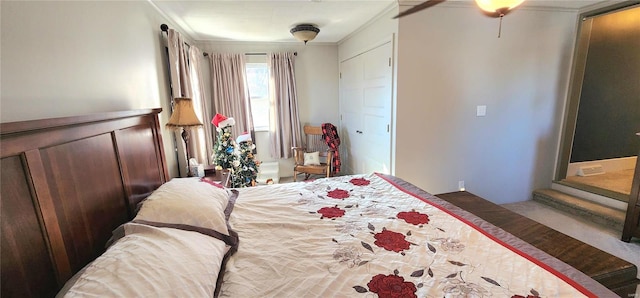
pixel 591 170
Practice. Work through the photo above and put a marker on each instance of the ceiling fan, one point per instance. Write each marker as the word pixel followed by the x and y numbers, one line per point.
pixel 492 8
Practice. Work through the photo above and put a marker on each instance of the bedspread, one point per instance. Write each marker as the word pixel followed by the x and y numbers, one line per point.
pixel 356 236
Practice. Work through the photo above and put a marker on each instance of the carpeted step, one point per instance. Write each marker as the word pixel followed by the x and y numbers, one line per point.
pixel 590 211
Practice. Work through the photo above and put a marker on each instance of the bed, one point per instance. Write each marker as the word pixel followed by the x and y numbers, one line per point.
pixel 73 186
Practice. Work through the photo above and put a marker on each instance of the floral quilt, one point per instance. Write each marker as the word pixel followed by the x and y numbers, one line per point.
pixel 366 236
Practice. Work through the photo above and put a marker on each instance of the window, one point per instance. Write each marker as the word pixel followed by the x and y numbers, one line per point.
pixel 258 81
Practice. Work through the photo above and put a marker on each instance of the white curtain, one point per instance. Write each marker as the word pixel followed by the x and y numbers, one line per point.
pixel 285 131
pixel 201 143
pixel 185 75
pixel 229 90
pixel 178 65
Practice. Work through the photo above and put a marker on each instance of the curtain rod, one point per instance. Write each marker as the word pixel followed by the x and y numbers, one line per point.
pixel 251 54
pixel 165 28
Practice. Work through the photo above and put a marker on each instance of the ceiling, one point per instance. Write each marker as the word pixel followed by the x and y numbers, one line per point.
pixel 270 21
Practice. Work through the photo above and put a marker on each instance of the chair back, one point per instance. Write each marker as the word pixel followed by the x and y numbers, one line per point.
pixel 314 140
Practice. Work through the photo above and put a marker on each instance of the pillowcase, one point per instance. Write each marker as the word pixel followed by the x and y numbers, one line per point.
pixel 312 158
pixel 152 262
pixel 187 201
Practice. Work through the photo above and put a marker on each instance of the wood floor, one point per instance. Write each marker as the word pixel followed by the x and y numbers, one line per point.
pixel 611 271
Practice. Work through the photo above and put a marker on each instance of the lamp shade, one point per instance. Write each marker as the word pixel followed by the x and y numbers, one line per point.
pixel 305 32
pixel 183 114
pixel 498 6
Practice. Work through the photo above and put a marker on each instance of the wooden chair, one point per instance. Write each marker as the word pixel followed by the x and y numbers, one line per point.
pixel 314 143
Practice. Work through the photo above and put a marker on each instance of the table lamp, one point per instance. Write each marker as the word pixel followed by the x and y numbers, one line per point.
pixel 184 117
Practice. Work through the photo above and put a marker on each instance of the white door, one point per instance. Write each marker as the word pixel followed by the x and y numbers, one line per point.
pixel 351 94
pixel 365 105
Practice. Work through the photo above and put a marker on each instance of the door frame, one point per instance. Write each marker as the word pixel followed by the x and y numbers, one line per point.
pixel 575 85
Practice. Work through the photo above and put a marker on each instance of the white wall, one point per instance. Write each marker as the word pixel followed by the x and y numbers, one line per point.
pixel 316 69
pixel 69 58
pixel 450 61
pixel 379 29
pixel 66 58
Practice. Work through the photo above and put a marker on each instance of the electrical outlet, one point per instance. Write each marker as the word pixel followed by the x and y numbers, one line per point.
pixel 461 185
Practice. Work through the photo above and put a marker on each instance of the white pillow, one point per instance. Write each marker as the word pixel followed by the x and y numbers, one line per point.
pixel 152 262
pixel 312 158
pixel 187 201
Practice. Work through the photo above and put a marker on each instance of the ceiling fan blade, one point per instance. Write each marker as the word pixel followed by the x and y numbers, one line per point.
pixel 419 7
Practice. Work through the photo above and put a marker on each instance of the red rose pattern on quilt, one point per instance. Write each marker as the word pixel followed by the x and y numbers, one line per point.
pixel 394 285
pixel 380 241
pixel 331 212
pixel 338 194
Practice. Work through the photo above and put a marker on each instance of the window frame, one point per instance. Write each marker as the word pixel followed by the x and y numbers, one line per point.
pixel 259 104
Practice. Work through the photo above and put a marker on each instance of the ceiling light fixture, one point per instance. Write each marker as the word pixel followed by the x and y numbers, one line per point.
pixel 493 8
pixel 498 8
pixel 304 32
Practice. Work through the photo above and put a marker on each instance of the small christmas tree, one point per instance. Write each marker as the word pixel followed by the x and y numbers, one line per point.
pixel 224 156
pixel 247 171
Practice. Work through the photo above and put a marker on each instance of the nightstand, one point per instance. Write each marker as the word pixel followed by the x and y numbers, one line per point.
pixel 209 170
pixel 211 175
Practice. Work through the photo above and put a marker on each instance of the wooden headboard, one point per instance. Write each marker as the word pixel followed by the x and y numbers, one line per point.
pixel 66 184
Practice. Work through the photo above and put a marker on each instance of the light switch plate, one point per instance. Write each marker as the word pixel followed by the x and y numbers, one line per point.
pixel 481 111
